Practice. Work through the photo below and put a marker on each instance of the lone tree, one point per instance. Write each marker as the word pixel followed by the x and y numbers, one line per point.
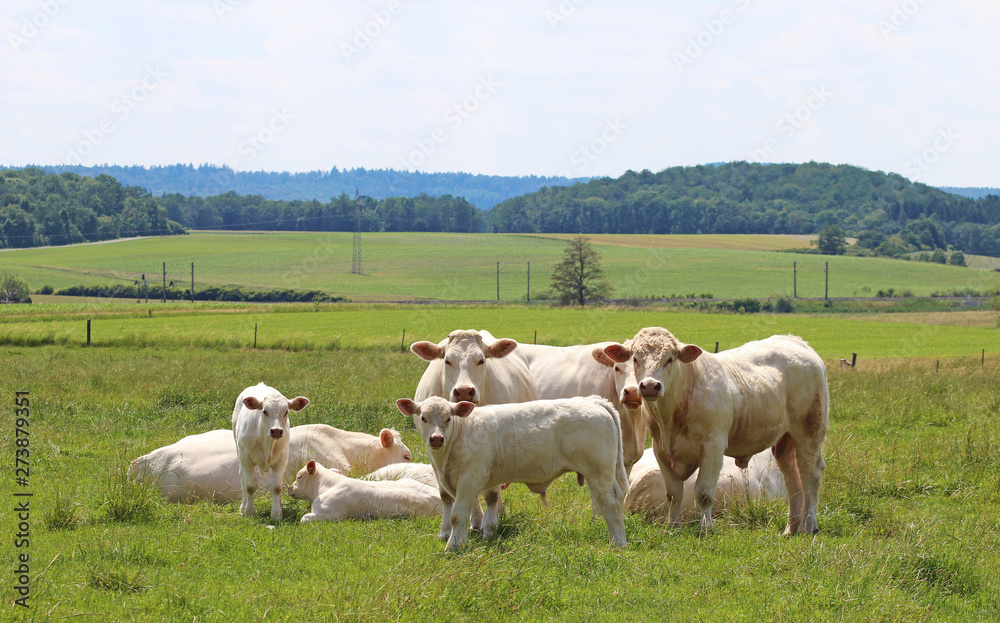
pixel 579 276
pixel 13 289
pixel 832 240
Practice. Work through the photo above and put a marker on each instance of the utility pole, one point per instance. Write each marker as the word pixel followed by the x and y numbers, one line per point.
pixel 826 290
pixel 356 267
pixel 145 287
pixel 192 282
pixel 529 282
pixel 164 282
pixel 795 282
pixel 498 282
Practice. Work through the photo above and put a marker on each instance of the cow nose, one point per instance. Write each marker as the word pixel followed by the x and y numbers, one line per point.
pixel 436 441
pixel 631 397
pixel 650 389
pixel 277 433
pixel 466 393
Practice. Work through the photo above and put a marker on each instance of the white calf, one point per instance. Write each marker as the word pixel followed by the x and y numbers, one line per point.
pixel 336 497
pixel 533 443
pixel 260 429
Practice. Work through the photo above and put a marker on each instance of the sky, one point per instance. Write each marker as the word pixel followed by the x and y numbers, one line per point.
pixel 547 87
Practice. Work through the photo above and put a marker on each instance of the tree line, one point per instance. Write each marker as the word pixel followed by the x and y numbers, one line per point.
pixel 887 212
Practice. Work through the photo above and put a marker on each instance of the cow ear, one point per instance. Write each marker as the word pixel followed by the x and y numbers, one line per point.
pixel 428 351
pixel 407 406
pixel 689 353
pixel 463 409
pixel 501 348
pixel 386 438
pixel 298 403
pixel 311 467
pixel 618 352
pixel 252 403
pixel 602 358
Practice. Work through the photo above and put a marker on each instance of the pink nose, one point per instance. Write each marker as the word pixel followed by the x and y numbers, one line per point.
pixel 435 441
pixel 467 393
pixel 650 389
pixel 277 433
pixel 631 397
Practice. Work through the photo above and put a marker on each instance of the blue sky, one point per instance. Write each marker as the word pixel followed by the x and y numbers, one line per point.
pixel 548 87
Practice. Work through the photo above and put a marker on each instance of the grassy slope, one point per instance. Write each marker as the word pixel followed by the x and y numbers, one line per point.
pixel 463 267
pixel 908 511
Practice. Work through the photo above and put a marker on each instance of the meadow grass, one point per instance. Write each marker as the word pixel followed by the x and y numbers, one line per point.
pixel 908 510
pixel 421 266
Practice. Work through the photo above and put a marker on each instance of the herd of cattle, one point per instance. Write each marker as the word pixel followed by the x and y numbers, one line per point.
pixel 492 412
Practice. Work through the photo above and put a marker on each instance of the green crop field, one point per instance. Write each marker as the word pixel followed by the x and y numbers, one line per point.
pixel 464 266
pixel 908 511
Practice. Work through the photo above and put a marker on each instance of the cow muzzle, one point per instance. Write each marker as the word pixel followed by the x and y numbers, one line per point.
pixel 277 433
pixel 435 441
pixel 466 393
pixel 631 397
pixel 650 388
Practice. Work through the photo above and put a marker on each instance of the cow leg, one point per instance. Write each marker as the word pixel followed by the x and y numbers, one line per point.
pixel 786 456
pixel 274 486
pixel 673 484
pixel 477 517
pixel 810 463
pixel 247 486
pixel 610 506
pixel 708 480
pixel 461 510
pixel 492 517
pixel 446 505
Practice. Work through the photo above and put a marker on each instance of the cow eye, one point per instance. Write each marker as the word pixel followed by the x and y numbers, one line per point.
pixel 480 362
pixel 670 360
pixel 618 370
pixel 447 420
pixel 635 361
pixel 447 363
pixel 423 419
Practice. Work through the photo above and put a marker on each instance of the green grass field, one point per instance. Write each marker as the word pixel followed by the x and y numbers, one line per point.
pixel 908 511
pixel 464 266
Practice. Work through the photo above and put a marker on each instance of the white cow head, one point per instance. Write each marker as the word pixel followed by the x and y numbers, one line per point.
pixel 307 481
pixel 391 449
pixel 465 354
pixel 654 354
pixel 274 410
pixel 623 373
pixel 434 419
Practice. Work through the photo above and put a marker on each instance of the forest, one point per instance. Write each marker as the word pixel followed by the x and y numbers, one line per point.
pixel 888 214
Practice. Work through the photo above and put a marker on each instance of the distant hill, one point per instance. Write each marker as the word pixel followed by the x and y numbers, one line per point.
pixel 748 198
pixel 972 193
pixel 483 191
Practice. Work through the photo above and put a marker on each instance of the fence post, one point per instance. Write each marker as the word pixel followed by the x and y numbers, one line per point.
pixel 716 347
pixel 854 359
pixel 402 344
pixel 88 331
pixel 982 361
pixel 255 336
pixel 535 341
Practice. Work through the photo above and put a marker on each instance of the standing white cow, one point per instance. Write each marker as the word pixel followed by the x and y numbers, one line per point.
pixel 761 480
pixel 772 392
pixel 585 370
pixel 260 429
pixel 476 367
pixel 533 443
pixel 336 497
pixel 205 466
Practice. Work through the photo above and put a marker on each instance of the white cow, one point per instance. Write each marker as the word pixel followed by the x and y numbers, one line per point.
pixel 533 443
pixel 421 472
pixel 761 480
pixel 335 497
pixel 260 429
pixel 205 466
pixel 702 406
pixel 476 367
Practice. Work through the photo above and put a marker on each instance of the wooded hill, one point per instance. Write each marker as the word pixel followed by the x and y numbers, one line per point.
pixel 883 210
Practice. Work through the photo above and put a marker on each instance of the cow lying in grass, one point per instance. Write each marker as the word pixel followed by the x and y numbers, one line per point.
pixel 335 497
pixel 205 466
pixel 760 480
pixel 474 449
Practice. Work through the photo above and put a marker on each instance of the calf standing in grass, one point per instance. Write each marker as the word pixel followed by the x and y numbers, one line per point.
pixel 336 497
pixel 475 449
pixel 260 428
pixel 701 406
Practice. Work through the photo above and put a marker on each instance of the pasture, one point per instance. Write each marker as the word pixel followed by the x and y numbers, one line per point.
pixel 909 510
pixel 414 266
